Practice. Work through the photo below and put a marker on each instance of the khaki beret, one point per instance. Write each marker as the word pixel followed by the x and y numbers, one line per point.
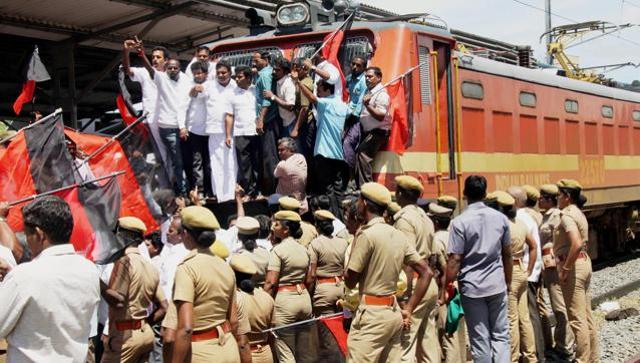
pixel 439 211
pixel 447 201
pixel 287 215
pixel 410 183
pixel 219 249
pixel 288 203
pixel 324 215
pixel 504 198
pixel 132 224
pixel 491 197
pixel 549 189
pixel 243 264
pixel 569 184
pixel 376 193
pixel 199 217
pixel 532 192
pixel 394 207
pixel 247 225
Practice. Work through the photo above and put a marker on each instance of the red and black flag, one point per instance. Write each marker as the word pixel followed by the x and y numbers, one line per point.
pixel 331 47
pixel 400 111
pixel 35 73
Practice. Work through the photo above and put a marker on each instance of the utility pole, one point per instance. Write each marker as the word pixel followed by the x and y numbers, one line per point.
pixel 547 27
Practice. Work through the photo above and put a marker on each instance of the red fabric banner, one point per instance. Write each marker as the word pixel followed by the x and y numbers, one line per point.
pixel 399 135
pixel 15 178
pixel 335 326
pixel 83 237
pixel 26 96
pixel 330 53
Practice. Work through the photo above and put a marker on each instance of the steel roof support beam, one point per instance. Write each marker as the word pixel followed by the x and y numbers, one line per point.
pixel 198 14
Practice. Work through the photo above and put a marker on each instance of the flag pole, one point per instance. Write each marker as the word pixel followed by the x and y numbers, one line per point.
pixel 55 113
pixel 332 35
pixel 271 330
pixel 113 139
pixel 76 185
pixel 399 77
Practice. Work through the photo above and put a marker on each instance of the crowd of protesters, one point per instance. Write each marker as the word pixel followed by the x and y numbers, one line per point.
pixel 412 283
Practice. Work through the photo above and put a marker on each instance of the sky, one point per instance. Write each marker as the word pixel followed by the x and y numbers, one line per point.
pixel 514 22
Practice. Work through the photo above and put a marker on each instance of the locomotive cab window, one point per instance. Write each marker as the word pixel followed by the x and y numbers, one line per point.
pixel 527 99
pixel 571 106
pixel 636 115
pixel 607 111
pixel 472 90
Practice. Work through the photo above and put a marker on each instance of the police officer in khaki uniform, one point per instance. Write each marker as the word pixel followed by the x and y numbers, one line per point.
pixel 203 294
pixel 248 228
pixel 522 337
pixel 419 343
pixel 562 340
pixel 377 257
pixel 308 230
pixel 447 201
pixel 391 211
pixel 533 195
pixel 453 346
pixel 286 274
pixel 133 288
pixel 574 270
pixel 255 309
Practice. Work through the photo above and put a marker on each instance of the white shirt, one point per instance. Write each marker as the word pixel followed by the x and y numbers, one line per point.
pixel 380 101
pixel 7 255
pixel 338 227
pixel 173 99
pixel 242 105
pixel 286 91
pixel 532 228
pixel 197 115
pixel 217 99
pixel 46 306
pixel 211 71
pixel 334 78
pixel 171 256
pixel 149 91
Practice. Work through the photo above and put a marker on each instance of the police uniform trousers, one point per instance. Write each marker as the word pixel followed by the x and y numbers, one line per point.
pixel 129 345
pixel 420 342
pixel 290 307
pixel 261 354
pixel 562 334
pixel 577 298
pixel 220 350
pixel 325 298
pixel 521 330
pixel 453 346
pixel 375 334
pixel 223 168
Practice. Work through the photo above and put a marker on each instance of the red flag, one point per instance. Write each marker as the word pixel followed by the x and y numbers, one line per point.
pixel 36 73
pixel 127 117
pixel 330 53
pixel 83 238
pixel 399 136
pixel 336 327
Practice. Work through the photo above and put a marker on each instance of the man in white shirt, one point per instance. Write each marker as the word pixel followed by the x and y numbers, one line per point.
pixel 285 96
pixel 220 131
pixel 173 99
pixel 202 54
pixel 376 123
pixel 241 108
pixel 324 71
pixel 196 148
pixel 46 305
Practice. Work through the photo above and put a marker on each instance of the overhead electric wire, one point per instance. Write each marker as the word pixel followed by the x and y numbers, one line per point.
pixel 627 2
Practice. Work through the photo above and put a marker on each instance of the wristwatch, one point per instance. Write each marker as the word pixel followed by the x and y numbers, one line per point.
pixel 273 97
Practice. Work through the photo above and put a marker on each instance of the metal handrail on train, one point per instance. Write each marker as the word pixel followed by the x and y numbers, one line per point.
pixel 434 55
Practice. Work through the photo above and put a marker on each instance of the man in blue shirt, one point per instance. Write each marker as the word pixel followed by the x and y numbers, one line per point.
pixel 267 122
pixel 357 88
pixel 328 154
pixel 480 259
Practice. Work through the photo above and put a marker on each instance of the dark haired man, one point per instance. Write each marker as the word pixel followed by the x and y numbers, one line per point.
pixel 285 96
pixel 46 305
pixel 480 260
pixel 202 54
pixel 357 88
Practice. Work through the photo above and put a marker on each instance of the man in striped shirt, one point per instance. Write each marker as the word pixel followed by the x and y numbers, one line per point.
pixel 291 172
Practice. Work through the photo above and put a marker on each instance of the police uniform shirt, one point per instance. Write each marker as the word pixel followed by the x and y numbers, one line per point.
pixel 550 222
pixel 518 231
pixel 328 254
pixel 259 256
pixel 243 318
pixel 419 229
pixel 308 233
pixel 209 283
pixel 258 307
pixel 378 253
pixel 572 219
pixel 290 259
pixel 137 280
pixel 440 239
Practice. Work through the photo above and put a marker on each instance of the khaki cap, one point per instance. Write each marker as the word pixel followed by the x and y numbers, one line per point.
pixel 376 193
pixel 504 198
pixel 243 264
pixel 288 203
pixel 440 211
pixel 549 189
pixel 532 192
pixel 394 207
pixel 287 215
pixel 199 217
pixel 247 225
pixel 324 215
pixel 132 224
pixel 219 249
pixel 569 184
pixel 447 201
pixel 409 182
pixel 491 197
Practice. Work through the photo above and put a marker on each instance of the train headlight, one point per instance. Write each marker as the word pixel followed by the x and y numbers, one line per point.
pixel 292 14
